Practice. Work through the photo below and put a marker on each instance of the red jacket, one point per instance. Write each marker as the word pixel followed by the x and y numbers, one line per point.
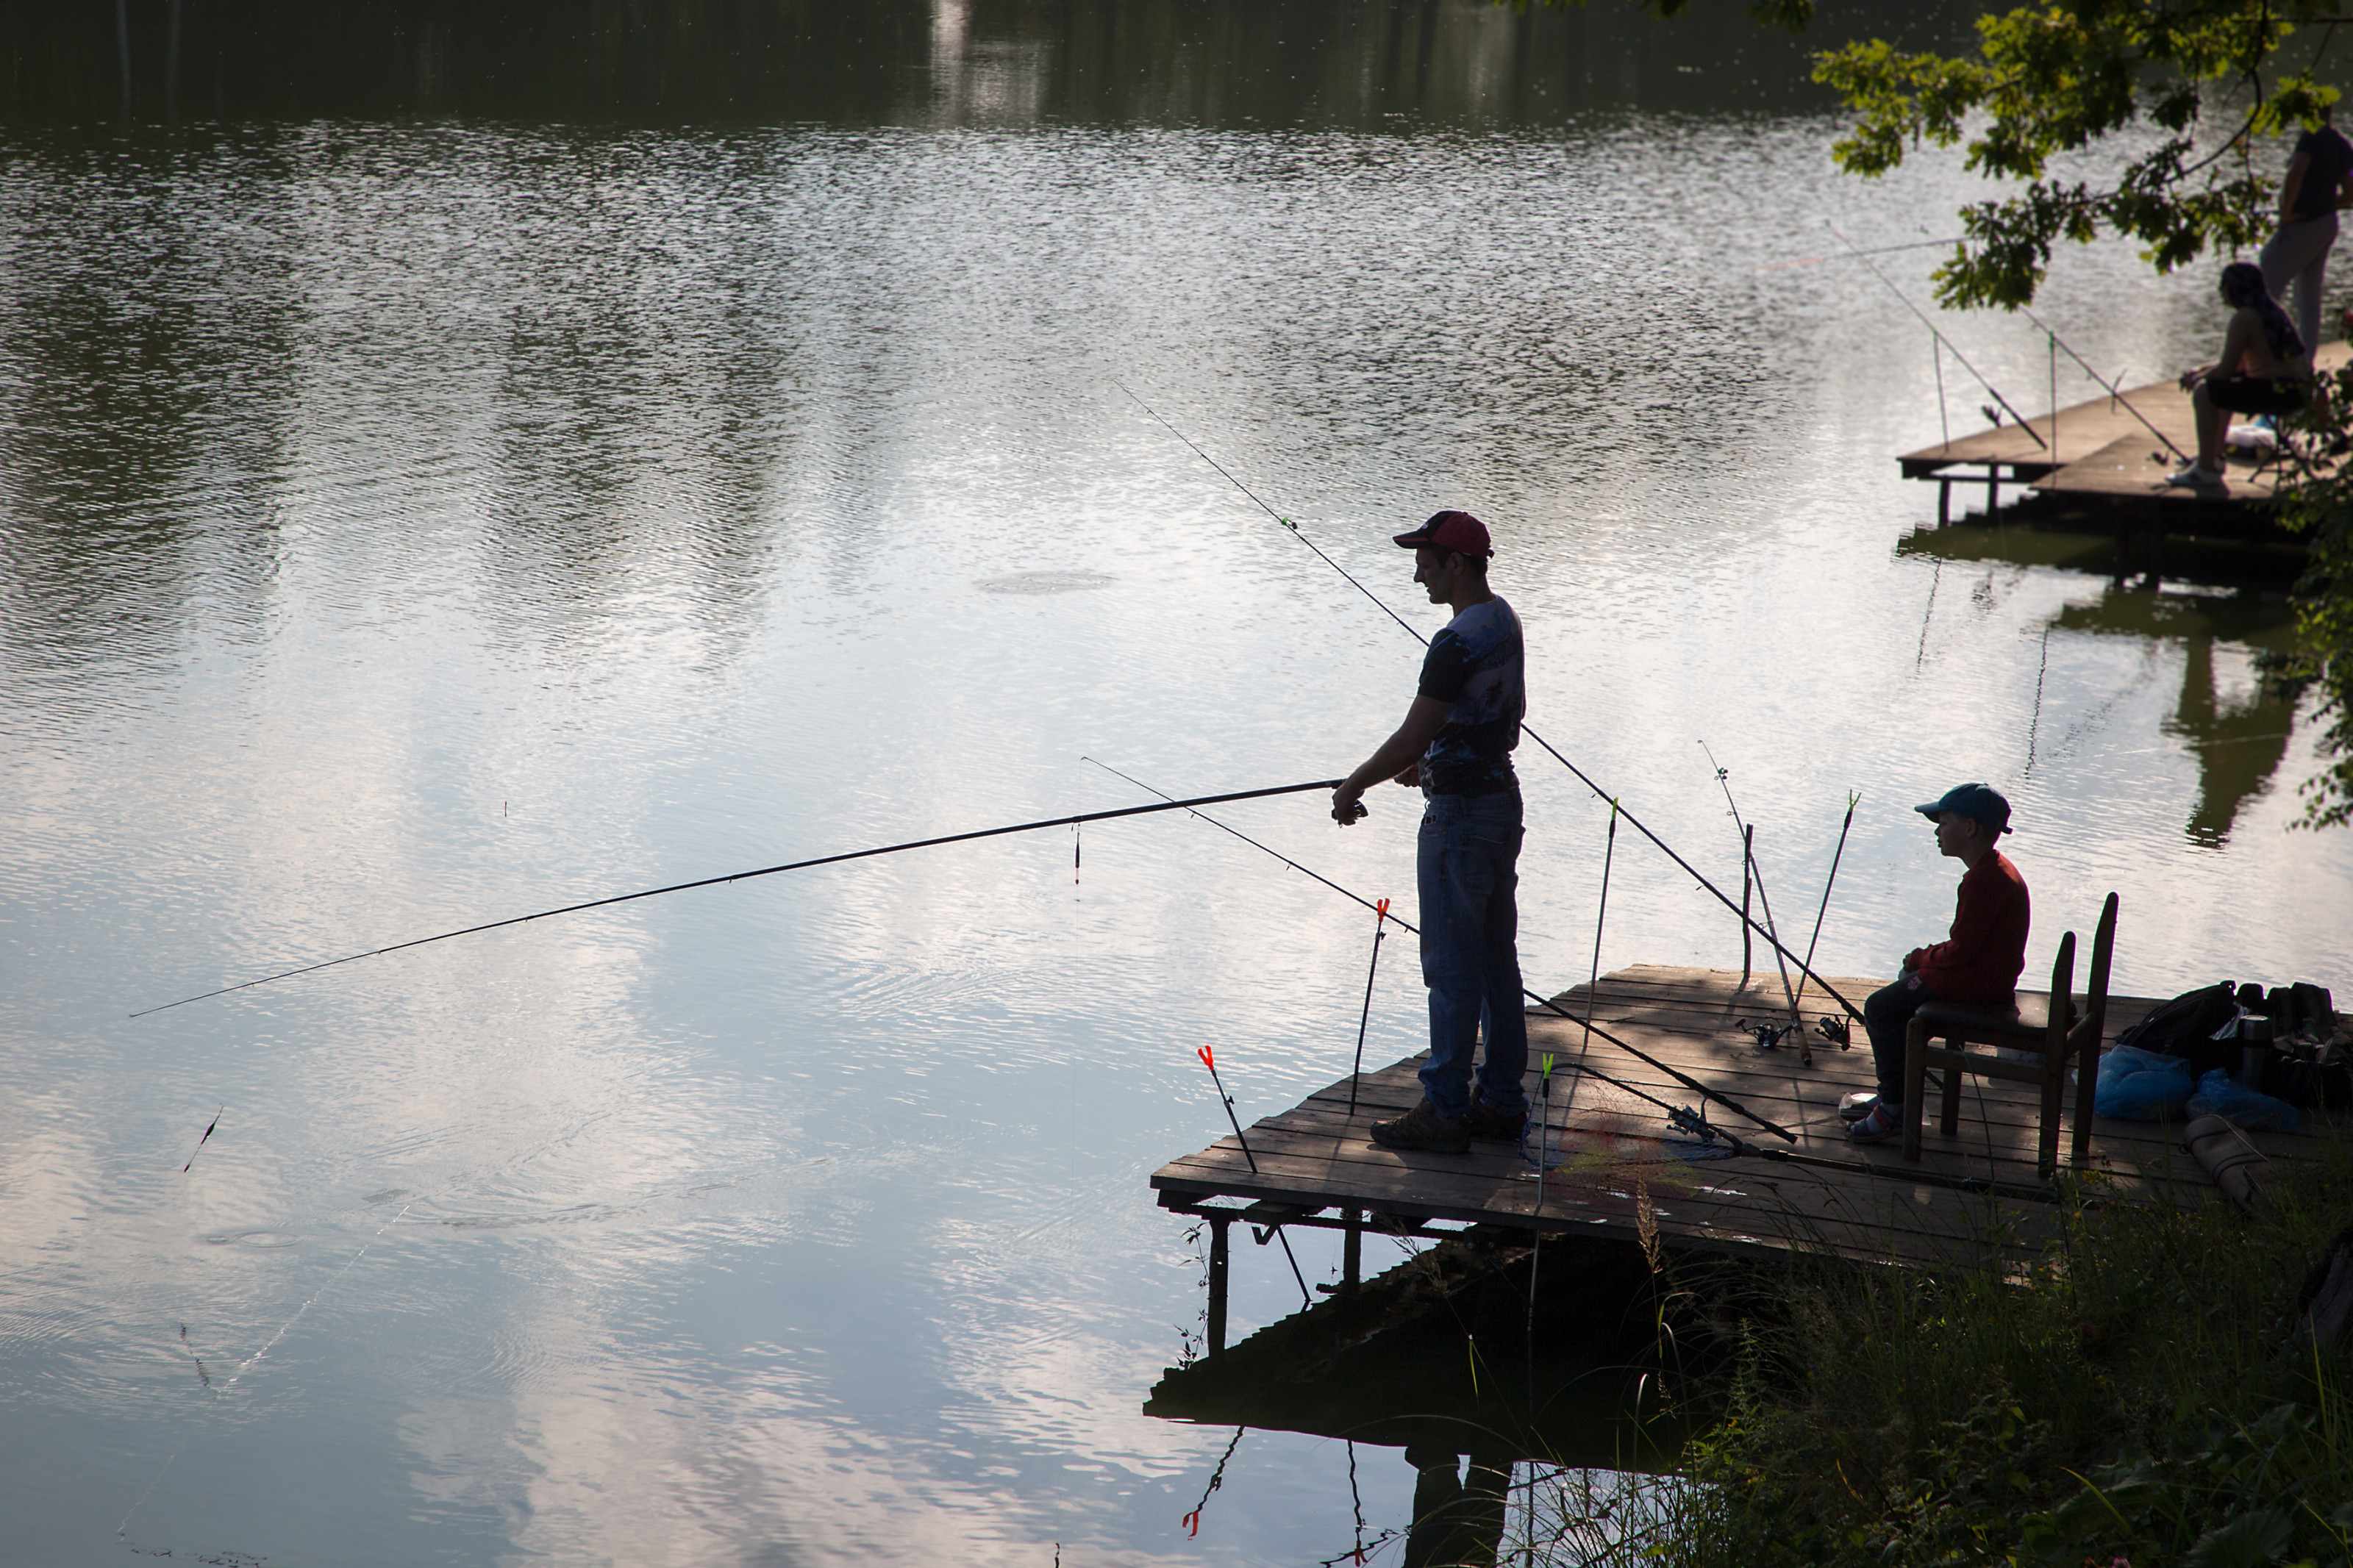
pixel 1982 960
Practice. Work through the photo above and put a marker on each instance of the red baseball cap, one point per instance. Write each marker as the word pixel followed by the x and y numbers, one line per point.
pixel 1455 530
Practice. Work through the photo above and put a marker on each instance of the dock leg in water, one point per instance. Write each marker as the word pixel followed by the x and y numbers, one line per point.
pixel 1351 1248
pixel 1218 1269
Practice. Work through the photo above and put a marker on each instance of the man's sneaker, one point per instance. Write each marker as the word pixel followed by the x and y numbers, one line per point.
pixel 1495 1126
pixel 1856 1105
pixel 1422 1127
pixel 1876 1128
pixel 2193 476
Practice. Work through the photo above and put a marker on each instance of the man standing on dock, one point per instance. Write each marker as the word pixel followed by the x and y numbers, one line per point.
pixel 1979 963
pixel 1456 743
pixel 2319 181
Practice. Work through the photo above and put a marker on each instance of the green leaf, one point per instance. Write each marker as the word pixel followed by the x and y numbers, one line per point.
pixel 2254 1540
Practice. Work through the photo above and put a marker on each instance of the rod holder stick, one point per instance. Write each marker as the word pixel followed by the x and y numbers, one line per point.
pixel 1593 979
pixel 1380 923
pixel 1747 941
pixel 1209 1060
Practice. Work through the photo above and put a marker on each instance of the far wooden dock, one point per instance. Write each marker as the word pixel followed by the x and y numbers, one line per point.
pixel 2110 453
pixel 1626 1173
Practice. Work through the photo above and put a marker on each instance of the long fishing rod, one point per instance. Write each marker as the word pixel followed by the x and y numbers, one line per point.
pixel 2016 417
pixel 1582 777
pixel 1545 1002
pixel 762 871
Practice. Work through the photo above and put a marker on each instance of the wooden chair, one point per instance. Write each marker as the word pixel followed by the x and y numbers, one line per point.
pixel 2054 1027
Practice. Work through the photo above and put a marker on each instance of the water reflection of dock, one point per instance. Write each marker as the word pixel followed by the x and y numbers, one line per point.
pixel 1628 1174
pixel 2104 454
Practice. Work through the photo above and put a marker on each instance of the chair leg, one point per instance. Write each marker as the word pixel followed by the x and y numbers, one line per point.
pixel 1915 1073
pixel 1948 1121
pixel 2087 1088
pixel 2046 1138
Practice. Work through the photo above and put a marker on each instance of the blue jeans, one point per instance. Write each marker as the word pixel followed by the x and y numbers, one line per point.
pixel 1467 871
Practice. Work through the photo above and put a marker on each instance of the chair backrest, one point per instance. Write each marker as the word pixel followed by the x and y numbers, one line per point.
pixel 2095 984
pixel 2062 999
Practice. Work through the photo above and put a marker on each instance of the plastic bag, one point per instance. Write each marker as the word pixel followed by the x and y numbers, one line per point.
pixel 2254 1111
pixel 2141 1085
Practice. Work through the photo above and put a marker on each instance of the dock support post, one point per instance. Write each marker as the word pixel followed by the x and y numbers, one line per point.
pixel 1993 491
pixel 1352 1248
pixel 1218 1267
pixel 1944 503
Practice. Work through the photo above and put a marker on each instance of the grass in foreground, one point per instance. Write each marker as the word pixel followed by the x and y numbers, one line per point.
pixel 2135 1393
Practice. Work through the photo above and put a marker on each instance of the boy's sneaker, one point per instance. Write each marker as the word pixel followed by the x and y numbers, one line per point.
pixel 2193 476
pixel 1878 1127
pixel 1495 1126
pixel 1856 1105
pixel 1422 1127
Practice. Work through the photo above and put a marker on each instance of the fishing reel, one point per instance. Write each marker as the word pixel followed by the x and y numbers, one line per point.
pixel 1836 1030
pixel 1684 1118
pixel 1768 1036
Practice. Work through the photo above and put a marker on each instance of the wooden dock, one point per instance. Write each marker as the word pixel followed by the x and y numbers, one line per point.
pixel 1620 1170
pixel 2111 452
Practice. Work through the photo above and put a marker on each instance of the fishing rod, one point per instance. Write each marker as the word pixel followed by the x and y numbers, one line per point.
pixel 1582 777
pixel 2112 388
pixel 762 871
pixel 1545 1002
pixel 2016 417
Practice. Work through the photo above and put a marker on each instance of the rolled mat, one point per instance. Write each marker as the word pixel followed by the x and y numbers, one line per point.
pixel 2237 1166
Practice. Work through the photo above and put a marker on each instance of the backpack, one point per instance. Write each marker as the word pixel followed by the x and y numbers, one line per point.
pixel 2185 1027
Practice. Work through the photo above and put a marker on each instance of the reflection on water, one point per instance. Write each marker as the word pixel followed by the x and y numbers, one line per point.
pixel 1443 1369
pixel 2239 731
pixel 423 518
pixel 2239 739
pixel 941 62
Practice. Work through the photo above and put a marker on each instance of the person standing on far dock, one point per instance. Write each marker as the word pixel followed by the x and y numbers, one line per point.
pixel 1979 963
pixel 1456 743
pixel 2319 181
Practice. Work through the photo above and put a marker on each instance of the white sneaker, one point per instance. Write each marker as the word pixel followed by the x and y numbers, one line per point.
pixel 2193 474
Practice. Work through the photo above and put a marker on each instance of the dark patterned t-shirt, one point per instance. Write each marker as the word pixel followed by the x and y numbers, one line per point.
pixel 1476 667
pixel 2331 156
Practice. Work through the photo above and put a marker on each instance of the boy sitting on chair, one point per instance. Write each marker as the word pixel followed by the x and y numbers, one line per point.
pixel 1979 964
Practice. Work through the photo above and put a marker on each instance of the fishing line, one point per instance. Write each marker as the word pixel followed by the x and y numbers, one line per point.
pixel 219 1392
pixel 1582 777
pixel 1851 254
pixel 1544 1001
pixel 764 871
pixel 1926 615
pixel 1902 298
pixel 2034 725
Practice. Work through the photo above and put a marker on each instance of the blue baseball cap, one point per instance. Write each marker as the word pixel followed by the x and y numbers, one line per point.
pixel 1974 801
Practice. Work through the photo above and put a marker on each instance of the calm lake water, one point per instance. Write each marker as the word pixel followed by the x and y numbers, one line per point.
pixel 449 470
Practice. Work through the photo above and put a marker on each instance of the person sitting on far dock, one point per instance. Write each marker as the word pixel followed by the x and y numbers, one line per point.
pixel 1456 743
pixel 2266 368
pixel 1980 963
